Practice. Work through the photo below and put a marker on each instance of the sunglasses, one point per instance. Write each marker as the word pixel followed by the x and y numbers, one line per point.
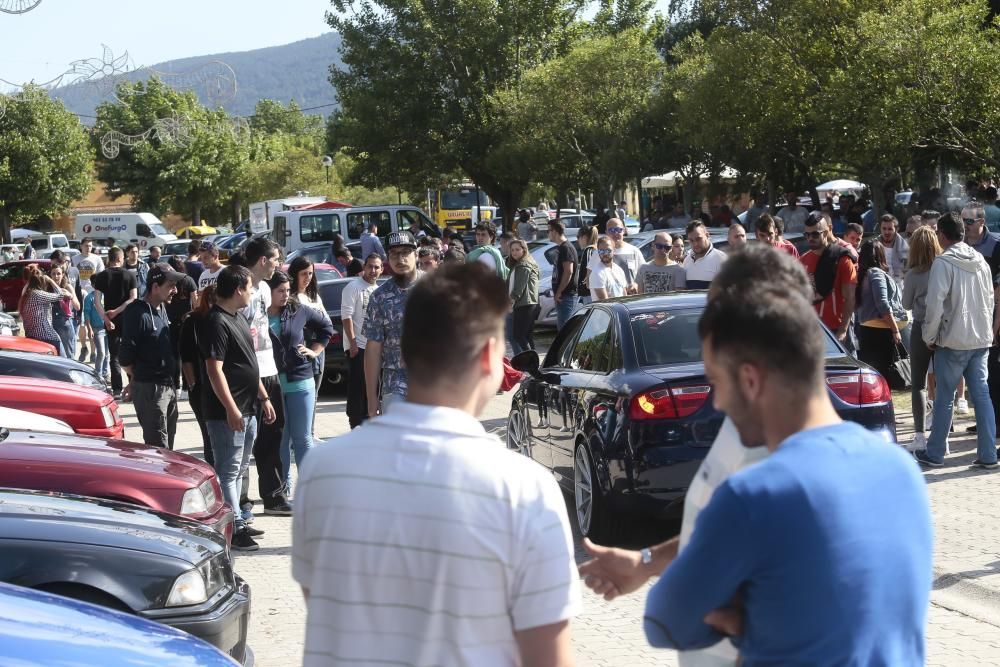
pixel 662 246
pixel 604 251
pixel 812 235
pixel 615 230
pixel 971 221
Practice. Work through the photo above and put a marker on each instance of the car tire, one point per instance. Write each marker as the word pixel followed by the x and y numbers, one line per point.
pixel 518 433
pixel 593 516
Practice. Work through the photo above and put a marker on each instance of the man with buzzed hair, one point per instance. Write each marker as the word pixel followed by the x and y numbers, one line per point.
pixel 662 274
pixel 833 276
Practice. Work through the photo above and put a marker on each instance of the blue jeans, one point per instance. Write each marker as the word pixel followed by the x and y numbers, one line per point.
pixel 102 363
pixel 297 434
pixel 66 329
pixel 949 366
pixel 564 310
pixel 231 451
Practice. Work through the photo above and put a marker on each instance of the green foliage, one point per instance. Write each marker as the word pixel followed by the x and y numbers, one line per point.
pixel 45 158
pixel 272 117
pixel 206 169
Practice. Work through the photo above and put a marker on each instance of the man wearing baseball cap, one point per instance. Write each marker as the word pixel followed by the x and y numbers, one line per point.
pixel 383 326
pixel 149 359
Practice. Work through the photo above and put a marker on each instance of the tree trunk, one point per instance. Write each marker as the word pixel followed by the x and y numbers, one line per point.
pixel 772 195
pixel 237 212
pixel 5 225
pixel 196 216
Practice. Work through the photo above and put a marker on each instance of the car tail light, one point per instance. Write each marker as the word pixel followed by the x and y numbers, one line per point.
pixel 669 402
pixel 864 388
pixel 336 338
pixel 109 413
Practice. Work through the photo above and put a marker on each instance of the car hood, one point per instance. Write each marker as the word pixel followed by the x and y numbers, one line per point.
pixel 130 458
pixel 56 517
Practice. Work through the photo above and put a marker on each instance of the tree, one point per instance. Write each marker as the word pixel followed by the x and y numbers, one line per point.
pixel 189 158
pixel 270 117
pixel 45 157
pixel 589 136
pixel 420 77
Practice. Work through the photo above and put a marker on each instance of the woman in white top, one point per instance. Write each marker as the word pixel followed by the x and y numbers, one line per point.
pixel 305 291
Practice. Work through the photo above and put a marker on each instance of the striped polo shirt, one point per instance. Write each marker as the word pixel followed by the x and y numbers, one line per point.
pixel 422 540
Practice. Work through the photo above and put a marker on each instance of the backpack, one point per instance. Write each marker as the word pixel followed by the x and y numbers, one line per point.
pixel 502 269
pixel 826 271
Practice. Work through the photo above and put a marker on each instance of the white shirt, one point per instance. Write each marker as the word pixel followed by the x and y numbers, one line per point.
pixel 794 219
pixel 91 265
pixel 260 332
pixel 354 306
pixel 424 541
pixel 727 456
pixel 704 268
pixel 208 277
pixel 628 255
pixel 609 277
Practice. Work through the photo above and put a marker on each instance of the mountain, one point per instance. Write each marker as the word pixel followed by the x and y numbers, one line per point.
pixel 298 71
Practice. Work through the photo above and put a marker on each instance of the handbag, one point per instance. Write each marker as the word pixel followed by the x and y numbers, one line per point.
pixel 900 368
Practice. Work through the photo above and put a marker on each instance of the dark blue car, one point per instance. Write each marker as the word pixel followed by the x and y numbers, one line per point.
pixel 621 412
pixel 43 629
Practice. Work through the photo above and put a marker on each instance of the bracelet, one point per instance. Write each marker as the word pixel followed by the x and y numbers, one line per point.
pixel 265 399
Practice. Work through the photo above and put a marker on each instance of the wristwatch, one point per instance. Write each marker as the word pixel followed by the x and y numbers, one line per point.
pixel 647 555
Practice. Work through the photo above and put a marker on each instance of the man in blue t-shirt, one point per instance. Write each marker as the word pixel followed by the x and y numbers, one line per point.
pixel 805 557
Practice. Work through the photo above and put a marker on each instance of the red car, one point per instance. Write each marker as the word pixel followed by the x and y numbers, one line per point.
pixel 116 470
pixel 88 411
pixel 11 282
pixel 24 344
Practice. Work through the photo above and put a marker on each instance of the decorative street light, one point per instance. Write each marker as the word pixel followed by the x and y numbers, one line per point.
pixel 327 162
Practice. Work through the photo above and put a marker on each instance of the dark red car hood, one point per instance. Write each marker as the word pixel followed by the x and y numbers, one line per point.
pixel 114 457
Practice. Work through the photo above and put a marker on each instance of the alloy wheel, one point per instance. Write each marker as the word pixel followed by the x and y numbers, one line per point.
pixel 583 489
pixel 518 438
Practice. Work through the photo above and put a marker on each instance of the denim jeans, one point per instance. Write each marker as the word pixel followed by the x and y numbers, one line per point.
pixel 949 366
pixel 67 335
pixel 297 435
pixel 564 310
pixel 231 450
pixel 102 362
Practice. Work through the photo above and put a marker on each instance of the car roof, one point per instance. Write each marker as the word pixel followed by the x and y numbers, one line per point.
pixel 644 302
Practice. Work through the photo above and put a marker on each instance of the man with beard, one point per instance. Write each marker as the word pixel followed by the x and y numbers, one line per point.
pixel 607 279
pixel 662 274
pixel 897 250
pixel 148 358
pixel 771 552
pixel 704 261
pixel 385 376
pixel 832 274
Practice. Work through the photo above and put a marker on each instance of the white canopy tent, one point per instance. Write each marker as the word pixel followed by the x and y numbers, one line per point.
pixel 670 179
pixel 18 233
pixel 840 185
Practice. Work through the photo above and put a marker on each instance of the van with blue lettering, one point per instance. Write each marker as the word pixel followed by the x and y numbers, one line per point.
pixel 143 229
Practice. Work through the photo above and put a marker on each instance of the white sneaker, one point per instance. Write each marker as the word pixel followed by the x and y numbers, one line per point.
pixel 919 442
pixel 182 395
pixel 962 406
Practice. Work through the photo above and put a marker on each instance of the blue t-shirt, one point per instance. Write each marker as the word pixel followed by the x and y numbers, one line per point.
pixel 828 542
pixel 90 312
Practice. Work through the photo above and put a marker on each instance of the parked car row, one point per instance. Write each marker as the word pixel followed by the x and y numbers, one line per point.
pixel 87 515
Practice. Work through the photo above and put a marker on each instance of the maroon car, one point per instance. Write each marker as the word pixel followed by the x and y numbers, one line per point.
pixel 114 469
pixel 11 282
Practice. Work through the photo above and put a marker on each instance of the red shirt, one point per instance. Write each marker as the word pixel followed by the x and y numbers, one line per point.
pixel 788 247
pixel 831 309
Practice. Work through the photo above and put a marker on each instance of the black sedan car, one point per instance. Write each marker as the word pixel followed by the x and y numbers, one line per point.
pixel 48 367
pixel 335 364
pixel 155 565
pixel 622 414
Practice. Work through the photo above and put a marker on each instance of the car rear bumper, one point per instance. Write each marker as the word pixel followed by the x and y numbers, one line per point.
pixel 224 626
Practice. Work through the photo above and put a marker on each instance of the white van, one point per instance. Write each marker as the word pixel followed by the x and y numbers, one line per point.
pixel 262 212
pixel 143 229
pixel 293 230
pixel 45 244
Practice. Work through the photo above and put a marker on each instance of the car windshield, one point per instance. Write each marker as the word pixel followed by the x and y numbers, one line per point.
pixel 159 230
pixel 462 198
pixel 667 336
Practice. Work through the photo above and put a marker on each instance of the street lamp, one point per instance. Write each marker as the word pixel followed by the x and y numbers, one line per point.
pixel 327 162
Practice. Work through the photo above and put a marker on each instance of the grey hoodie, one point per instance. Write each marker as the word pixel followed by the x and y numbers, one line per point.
pixel 959 301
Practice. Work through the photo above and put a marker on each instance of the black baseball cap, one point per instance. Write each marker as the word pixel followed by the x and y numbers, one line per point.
pixel 162 271
pixel 400 239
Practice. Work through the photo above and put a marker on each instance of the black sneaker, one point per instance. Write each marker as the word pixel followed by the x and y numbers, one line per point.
pixel 924 460
pixel 971 429
pixel 281 509
pixel 243 542
pixel 987 466
pixel 253 532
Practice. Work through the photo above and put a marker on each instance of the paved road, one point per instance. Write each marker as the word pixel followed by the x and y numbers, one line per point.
pixel 963 619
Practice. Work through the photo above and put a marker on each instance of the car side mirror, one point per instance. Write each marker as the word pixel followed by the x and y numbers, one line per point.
pixel 527 362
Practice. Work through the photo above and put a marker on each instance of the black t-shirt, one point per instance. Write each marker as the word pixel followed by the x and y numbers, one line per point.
pixel 226 338
pixel 180 304
pixel 194 269
pixel 146 344
pixel 115 284
pixel 566 253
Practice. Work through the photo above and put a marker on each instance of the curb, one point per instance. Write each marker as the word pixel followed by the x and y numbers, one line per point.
pixel 966 597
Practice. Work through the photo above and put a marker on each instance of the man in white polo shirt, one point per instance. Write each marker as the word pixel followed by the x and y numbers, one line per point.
pixel 703 262
pixel 418 538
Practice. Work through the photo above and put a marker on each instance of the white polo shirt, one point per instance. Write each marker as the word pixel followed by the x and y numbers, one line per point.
pixel 354 305
pixel 700 272
pixel 423 541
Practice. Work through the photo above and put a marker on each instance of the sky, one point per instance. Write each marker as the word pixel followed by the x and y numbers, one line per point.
pixel 40 44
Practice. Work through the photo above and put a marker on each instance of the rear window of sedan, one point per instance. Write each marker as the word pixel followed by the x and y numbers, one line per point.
pixel 664 337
